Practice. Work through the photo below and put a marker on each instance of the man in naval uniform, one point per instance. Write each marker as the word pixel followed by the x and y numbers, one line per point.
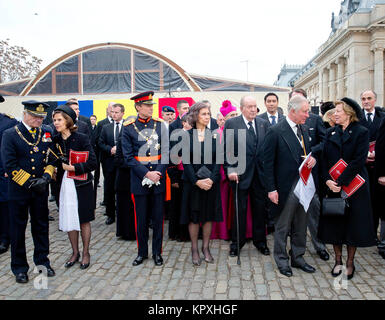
pixel 26 161
pixel 145 151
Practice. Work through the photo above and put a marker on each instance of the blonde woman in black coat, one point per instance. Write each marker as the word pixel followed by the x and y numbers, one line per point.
pixel 350 141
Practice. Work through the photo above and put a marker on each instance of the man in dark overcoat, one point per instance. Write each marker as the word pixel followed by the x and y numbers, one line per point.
pixel 6 122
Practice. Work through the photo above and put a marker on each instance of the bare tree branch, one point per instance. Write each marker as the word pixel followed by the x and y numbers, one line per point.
pixel 16 62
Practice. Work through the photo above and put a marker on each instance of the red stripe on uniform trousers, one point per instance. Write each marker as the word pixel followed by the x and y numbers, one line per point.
pixel 161 240
pixel 136 224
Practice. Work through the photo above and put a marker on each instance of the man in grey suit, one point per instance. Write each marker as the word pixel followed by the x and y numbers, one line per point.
pixel 284 149
pixel 247 132
pixel 317 133
pixel 272 115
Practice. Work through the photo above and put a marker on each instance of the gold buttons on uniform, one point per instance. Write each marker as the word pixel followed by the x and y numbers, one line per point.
pixel 33 168
pixel 33 176
pixel 33 160
pixel 150 167
pixel 43 152
pixel 31 152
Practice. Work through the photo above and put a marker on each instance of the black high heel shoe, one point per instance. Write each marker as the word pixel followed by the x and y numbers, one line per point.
pixel 70 263
pixel 350 276
pixel 85 265
pixel 196 262
pixel 209 258
pixel 336 274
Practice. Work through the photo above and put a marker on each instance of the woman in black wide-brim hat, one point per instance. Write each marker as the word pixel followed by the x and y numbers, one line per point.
pixel 76 197
pixel 349 141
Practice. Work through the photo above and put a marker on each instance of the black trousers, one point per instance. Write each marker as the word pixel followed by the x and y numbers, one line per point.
pixel 104 170
pixel 144 211
pixel 258 210
pixel 4 223
pixel 125 216
pixel 96 178
pixel 375 197
pixel 272 212
pixel 38 210
pixel 109 192
pixel 175 229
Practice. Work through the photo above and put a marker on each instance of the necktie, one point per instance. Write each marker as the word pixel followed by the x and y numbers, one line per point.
pixel 116 132
pixel 370 117
pixel 273 122
pixel 300 137
pixel 299 132
pixel 251 129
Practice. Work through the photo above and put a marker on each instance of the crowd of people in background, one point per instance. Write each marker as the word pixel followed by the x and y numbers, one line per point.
pixel 251 193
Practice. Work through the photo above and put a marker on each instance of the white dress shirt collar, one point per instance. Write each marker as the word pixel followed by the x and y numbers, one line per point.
pixel 247 122
pixel 26 125
pixel 293 126
pixel 269 115
pixel 366 114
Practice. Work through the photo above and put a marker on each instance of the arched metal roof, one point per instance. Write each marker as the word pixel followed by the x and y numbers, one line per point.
pixel 73 65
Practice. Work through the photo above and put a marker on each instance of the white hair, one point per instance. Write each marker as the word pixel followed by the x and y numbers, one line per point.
pixel 296 103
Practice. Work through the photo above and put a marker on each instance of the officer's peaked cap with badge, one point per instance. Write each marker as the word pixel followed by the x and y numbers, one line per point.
pixel 36 108
pixel 68 111
pixel 355 106
pixel 168 109
pixel 144 97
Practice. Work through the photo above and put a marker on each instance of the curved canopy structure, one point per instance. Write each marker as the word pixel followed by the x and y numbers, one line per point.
pixel 116 68
pixel 110 68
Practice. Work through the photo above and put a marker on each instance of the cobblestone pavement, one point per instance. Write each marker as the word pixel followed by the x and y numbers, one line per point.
pixel 112 276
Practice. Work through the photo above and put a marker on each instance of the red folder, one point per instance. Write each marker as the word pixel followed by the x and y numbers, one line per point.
pixel 372 146
pixel 305 174
pixel 356 183
pixel 337 169
pixel 77 157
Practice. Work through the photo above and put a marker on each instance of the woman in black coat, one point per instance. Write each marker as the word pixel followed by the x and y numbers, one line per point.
pixel 68 139
pixel 349 141
pixel 201 195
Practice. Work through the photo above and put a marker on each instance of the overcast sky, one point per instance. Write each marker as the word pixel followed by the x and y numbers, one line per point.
pixel 209 37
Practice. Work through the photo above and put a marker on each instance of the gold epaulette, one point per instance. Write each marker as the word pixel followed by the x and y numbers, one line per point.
pixel 20 177
pixel 158 119
pixel 127 122
pixel 50 170
pixel 9 116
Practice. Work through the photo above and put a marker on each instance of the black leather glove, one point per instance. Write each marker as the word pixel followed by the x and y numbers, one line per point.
pixel 39 185
pixel 64 159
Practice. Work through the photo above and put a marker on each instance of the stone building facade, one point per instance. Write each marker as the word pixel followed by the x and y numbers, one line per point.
pixel 352 59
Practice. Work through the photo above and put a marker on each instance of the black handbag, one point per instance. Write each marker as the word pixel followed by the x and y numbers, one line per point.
pixel 334 206
pixel 203 173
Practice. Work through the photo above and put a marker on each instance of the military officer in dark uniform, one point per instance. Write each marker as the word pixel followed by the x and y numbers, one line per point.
pixel 145 151
pixel 26 160
pixel 6 122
